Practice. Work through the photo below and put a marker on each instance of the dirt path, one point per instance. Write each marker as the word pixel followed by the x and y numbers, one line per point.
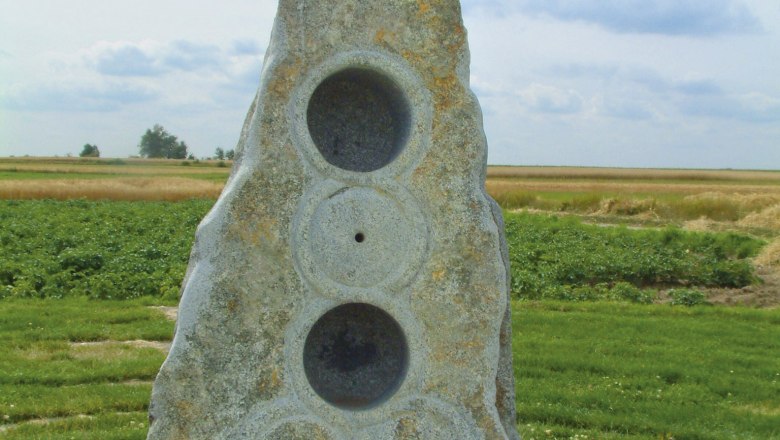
pixel 170 312
pixel 48 420
pixel 163 346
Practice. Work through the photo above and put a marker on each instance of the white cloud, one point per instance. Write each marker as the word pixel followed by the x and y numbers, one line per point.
pixel 586 82
pixel 750 107
pixel 667 17
pixel 246 47
pixel 622 108
pixel 123 59
pixel 151 58
pixel 70 97
pixel 111 75
pixel 187 55
pixel 548 99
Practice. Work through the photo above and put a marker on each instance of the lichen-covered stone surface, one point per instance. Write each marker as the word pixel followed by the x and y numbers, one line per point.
pixel 351 282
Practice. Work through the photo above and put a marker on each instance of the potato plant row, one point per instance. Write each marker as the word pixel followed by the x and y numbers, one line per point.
pixel 124 250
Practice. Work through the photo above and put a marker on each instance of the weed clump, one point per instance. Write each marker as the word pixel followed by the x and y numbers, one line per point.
pixel 687 297
pixel 510 196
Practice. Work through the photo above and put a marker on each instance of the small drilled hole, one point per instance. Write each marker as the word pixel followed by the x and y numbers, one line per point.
pixel 359 237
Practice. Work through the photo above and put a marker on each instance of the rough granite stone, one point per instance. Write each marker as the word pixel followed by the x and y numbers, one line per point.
pixel 351 282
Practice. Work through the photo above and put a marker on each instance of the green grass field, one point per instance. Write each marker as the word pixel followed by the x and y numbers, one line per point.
pixel 597 370
pixel 601 370
pixel 615 360
pixel 52 387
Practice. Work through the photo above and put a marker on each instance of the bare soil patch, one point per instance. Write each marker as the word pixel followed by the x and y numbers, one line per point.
pixel 138 343
pixel 764 295
pixel 170 312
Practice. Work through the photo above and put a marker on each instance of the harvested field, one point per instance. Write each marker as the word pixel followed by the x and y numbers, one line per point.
pixel 619 187
pixel 768 218
pixel 117 170
pixel 568 173
pixel 147 188
pixel 90 161
pixel 66 168
pixel 770 256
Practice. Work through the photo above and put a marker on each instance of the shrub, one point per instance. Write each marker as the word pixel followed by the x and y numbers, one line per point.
pixel 629 292
pixel 514 199
pixel 687 297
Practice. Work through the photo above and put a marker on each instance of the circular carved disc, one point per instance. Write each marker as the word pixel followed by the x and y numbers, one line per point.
pixel 359 236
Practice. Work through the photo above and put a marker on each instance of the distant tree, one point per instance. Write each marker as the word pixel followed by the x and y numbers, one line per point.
pixel 178 151
pixel 230 154
pixel 158 143
pixel 219 153
pixel 90 150
pixel 190 156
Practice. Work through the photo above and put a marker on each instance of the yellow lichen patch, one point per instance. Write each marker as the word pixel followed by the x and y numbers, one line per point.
pixel 423 7
pixel 186 410
pixel 445 87
pixel 284 76
pixel 379 37
pixel 268 385
pixel 386 38
pixel 406 428
pixel 484 418
pixel 262 232
pixel 472 344
pixel 412 57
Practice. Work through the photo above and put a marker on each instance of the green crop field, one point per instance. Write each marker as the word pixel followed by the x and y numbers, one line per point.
pixel 604 263
pixel 123 250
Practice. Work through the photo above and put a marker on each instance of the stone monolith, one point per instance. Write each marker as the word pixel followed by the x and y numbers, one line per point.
pixel 351 282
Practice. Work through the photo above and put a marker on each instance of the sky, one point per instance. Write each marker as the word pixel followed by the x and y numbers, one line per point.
pixel 618 83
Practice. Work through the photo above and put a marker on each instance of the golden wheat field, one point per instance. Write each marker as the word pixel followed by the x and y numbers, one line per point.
pixel 120 188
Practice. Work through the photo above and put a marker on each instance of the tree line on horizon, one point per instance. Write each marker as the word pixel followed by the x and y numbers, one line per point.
pixel 157 143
